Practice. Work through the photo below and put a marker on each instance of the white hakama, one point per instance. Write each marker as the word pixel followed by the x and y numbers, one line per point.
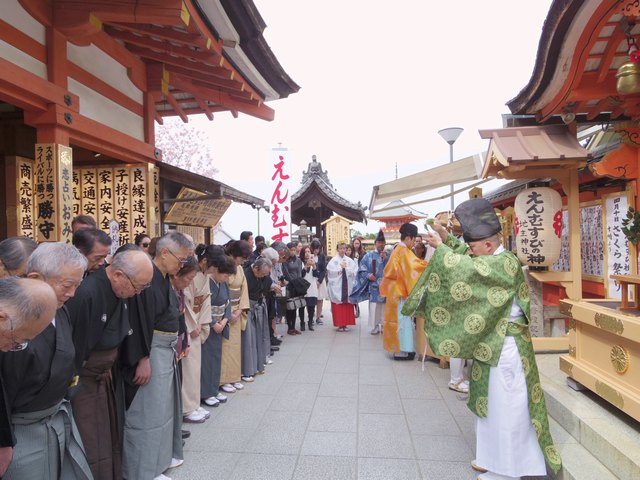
pixel 506 441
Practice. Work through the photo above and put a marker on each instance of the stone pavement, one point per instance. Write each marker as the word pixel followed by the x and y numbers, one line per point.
pixel 334 405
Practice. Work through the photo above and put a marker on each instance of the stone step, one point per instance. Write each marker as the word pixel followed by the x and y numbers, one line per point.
pixel 579 464
pixel 606 441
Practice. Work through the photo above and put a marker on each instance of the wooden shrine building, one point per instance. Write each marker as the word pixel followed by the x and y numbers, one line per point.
pixel 395 214
pixel 587 76
pixel 81 85
pixel 317 201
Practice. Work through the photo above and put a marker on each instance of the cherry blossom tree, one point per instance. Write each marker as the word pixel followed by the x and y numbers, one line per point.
pixel 186 146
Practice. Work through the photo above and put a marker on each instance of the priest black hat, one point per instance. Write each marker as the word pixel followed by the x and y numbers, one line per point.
pixel 478 219
pixel 380 237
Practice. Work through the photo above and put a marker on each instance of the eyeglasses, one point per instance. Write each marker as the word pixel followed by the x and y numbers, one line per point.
pixel 137 289
pixel 16 346
pixel 181 260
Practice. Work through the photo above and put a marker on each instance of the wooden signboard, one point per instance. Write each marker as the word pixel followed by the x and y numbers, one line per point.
pixel 604 248
pixel 105 194
pixel 154 200
pixel 48 193
pixel 200 213
pixel 337 230
pixel 53 192
pixel 139 201
pixel 25 202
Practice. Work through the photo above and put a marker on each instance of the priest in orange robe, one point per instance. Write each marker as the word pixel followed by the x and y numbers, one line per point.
pixel 400 276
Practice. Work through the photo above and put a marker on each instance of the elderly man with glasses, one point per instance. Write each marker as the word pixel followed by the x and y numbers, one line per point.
pixel 100 318
pixel 37 379
pixel 26 308
pixel 153 419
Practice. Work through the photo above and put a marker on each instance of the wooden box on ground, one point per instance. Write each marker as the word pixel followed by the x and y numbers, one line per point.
pixel 421 343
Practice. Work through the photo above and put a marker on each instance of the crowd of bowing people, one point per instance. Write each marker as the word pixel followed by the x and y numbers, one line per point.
pixel 89 341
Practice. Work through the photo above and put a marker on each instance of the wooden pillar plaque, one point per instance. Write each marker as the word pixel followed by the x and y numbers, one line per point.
pixel 139 199
pixel 122 187
pixel 154 201
pixel 24 190
pixel 105 198
pixel 53 192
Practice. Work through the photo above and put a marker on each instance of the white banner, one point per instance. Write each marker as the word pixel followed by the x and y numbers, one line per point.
pixel 617 245
pixel 280 171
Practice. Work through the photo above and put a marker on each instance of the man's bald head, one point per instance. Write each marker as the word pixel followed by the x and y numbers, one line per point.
pixel 27 306
pixel 130 272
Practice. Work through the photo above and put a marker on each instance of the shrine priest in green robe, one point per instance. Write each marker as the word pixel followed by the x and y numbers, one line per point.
pixel 475 303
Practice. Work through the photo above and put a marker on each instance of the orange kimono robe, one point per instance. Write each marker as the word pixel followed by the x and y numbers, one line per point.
pixel 400 276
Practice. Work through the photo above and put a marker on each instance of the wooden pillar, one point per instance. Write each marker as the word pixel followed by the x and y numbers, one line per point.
pixel 57 57
pixel 571 187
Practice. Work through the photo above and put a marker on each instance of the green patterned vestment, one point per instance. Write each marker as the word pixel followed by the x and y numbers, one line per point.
pixel 466 303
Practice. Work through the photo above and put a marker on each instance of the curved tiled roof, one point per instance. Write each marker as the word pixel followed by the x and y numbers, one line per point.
pixel 249 26
pixel 315 182
pixel 397 209
pixel 581 48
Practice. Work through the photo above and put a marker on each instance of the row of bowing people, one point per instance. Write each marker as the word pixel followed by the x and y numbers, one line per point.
pixel 90 360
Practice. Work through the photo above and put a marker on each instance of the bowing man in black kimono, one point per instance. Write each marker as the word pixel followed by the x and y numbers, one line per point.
pixel 153 436
pixel 26 308
pixel 100 320
pixel 38 377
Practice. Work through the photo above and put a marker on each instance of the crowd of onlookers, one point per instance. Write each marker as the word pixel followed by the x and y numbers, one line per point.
pixel 105 357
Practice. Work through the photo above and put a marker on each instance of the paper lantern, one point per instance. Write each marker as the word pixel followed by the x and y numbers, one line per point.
pixel 538 226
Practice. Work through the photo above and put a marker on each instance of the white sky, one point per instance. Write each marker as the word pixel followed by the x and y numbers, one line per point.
pixel 378 80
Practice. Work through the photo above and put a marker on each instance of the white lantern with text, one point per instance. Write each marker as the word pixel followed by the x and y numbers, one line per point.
pixel 538 226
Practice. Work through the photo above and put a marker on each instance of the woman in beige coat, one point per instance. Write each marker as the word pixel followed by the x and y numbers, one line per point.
pixel 231 348
pixel 197 317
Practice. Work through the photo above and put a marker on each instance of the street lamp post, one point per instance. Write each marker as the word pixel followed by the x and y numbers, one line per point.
pixel 258 207
pixel 450 136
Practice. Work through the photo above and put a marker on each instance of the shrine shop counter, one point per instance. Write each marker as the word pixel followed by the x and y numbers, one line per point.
pixel 604 351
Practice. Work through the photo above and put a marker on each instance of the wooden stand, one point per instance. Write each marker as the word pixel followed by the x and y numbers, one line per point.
pixel 421 343
pixel 624 281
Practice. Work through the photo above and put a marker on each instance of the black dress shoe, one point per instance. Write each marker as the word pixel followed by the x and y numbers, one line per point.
pixel 404 358
pixel 275 341
pixel 186 434
pixel 275 349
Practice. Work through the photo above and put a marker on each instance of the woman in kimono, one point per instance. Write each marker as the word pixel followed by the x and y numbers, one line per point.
pixel 39 376
pixel 231 370
pixel 222 266
pixel 14 252
pixel 197 317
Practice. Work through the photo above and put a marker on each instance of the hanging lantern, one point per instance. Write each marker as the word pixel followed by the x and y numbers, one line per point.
pixel 538 226
pixel 628 74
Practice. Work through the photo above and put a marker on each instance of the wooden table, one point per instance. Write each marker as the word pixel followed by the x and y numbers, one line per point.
pixel 624 281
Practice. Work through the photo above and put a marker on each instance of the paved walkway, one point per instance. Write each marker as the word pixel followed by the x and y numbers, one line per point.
pixel 334 405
